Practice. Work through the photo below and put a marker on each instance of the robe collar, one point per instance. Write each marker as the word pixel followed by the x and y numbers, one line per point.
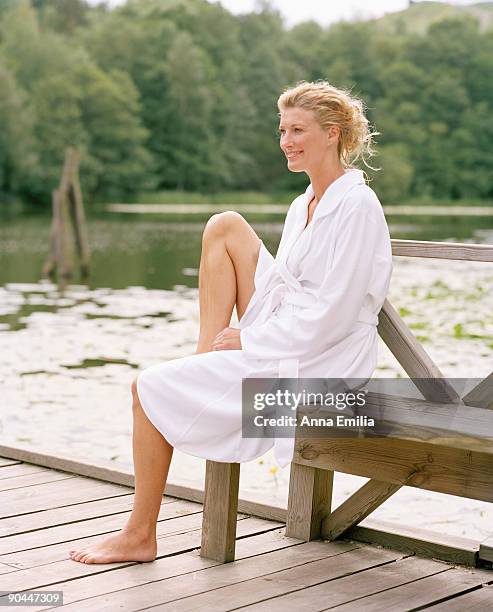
pixel 333 194
pixel 331 199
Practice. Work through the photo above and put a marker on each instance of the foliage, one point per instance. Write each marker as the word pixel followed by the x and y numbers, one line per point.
pixel 181 95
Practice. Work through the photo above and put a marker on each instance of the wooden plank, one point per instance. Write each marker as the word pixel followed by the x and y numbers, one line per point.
pixel 486 550
pixel 104 582
pixel 482 394
pixel 220 509
pixel 20 469
pixel 438 541
pixel 101 470
pixel 90 527
pixel 424 592
pixel 442 250
pixel 358 506
pixel 67 514
pixel 479 600
pixel 272 583
pixel 413 540
pixel 59 541
pixel 309 501
pixel 55 495
pixel 6 569
pixel 176 592
pixel 107 471
pixel 31 480
pixel 437 468
pixel 412 356
pixel 5 461
pixel 352 588
pixel 44 567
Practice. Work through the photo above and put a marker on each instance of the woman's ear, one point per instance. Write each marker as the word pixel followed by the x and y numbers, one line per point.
pixel 333 132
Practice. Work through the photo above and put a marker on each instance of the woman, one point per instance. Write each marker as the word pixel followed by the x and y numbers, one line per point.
pixel 310 312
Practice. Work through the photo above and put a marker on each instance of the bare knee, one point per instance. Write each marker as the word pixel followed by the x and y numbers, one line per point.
pixel 220 224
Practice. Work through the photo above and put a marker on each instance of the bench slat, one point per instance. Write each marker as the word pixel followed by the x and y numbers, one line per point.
pixel 442 250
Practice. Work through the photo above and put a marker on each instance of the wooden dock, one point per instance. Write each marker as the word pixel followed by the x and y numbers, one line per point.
pixel 44 512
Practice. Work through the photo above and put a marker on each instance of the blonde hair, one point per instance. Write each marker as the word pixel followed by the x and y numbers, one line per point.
pixel 334 106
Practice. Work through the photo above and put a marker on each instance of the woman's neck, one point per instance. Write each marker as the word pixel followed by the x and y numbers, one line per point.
pixel 323 178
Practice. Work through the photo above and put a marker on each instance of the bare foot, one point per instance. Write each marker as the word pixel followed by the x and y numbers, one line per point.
pixel 124 546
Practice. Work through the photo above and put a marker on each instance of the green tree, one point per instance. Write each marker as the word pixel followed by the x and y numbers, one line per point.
pixel 116 162
pixel 393 181
pixel 18 157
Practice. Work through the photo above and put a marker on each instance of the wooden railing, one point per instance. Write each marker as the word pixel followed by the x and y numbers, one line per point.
pixel 435 462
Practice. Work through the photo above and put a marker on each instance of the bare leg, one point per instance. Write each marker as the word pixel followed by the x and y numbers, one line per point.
pixel 137 540
pixel 230 250
pixel 227 268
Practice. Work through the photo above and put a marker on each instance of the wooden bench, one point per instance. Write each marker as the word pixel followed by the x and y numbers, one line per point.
pixel 454 457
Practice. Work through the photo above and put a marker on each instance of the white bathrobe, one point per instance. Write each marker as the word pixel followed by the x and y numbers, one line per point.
pixel 313 315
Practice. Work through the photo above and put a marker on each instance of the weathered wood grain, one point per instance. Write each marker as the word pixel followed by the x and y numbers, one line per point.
pixel 437 468
pixel 357 507
pixel 412 356
pixel 423 592
pixel 101 583
pixel 220 510
pixel 418 541
pixel 353 588
pixel 49 565
pixel 274 583
pixel 442 250
pixel 309 501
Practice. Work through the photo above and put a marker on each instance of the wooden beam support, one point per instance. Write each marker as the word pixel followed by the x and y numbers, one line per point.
pixel 455 471
pixel 357 507
pixel 412 356
pixel 309 502
pixel 220 510
pixel 482 394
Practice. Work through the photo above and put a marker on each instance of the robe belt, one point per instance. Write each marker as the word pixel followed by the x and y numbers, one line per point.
pixel 291 291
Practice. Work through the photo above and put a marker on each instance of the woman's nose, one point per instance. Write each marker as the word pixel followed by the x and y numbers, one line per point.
pixel 286 141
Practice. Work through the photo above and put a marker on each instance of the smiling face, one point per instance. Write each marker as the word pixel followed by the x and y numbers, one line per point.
pixel 306 145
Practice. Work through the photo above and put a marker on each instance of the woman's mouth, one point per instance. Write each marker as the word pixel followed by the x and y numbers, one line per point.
pixel 293 154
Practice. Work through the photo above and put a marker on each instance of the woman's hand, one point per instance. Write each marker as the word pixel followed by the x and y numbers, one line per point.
pixel 227 340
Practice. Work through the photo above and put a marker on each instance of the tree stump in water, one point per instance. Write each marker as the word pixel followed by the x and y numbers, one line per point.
pixel 68 228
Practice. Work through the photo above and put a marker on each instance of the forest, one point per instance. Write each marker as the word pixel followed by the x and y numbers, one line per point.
pixel 181 95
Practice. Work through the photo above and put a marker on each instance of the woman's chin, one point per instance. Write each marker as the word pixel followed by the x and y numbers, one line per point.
pixel 295 165
pixel 292 167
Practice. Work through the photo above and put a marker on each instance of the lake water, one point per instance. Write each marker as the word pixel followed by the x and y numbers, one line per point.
pixel 67 357
pixel 158 252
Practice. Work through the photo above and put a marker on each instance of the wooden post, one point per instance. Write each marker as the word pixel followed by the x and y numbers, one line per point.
pixel 220 511
pixel 310 498
pixel 68 223
pixel 78 216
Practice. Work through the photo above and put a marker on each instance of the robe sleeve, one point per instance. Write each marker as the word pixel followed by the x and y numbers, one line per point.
pixel 338 302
